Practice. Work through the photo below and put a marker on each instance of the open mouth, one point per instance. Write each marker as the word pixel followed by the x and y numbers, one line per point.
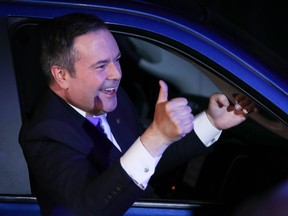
pixel 108 91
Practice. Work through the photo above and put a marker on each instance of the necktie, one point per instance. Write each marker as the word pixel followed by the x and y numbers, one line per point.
pixel 96 121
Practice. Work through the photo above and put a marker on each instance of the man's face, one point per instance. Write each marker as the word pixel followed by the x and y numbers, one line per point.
pixel 97 76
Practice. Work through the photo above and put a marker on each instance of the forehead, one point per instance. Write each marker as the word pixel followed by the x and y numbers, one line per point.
pixel 96 42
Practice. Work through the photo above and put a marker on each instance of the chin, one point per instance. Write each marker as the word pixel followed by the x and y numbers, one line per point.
pixel 110 107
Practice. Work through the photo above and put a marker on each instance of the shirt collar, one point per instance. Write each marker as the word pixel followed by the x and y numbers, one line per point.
pixel 85 114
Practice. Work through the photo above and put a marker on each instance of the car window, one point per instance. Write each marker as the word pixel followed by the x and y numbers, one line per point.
pixel 234 168
pixel 247 159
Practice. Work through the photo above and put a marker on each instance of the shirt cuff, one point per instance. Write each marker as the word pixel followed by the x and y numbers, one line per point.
pixel 139 164
pixel 205 130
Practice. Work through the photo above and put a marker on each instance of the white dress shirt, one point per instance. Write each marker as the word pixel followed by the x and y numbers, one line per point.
pixel 139 163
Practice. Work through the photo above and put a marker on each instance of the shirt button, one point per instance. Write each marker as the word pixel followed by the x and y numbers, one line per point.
pixel 146 170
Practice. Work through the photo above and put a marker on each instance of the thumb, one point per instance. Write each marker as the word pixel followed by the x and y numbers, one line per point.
pixel 223 100
pixel 163 93
pixel 220 100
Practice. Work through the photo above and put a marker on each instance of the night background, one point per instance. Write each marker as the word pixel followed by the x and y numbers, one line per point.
pixel 265 21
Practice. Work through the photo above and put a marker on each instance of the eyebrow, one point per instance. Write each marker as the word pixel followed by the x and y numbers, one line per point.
pixel 105 61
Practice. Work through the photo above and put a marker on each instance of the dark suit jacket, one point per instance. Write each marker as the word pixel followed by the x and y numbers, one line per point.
pixel 75 170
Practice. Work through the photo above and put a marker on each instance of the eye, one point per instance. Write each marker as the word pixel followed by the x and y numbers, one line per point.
pixel 101 67
pixel 118 58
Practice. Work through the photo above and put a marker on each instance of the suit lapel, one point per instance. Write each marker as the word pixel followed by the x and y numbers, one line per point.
pixel 121 132
pixel 103 151
pixel 123 122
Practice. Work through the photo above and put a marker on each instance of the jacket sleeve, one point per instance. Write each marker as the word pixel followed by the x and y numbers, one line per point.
pixel 180 152
pixel 63 175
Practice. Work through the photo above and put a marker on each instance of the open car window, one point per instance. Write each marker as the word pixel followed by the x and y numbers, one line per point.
pixel 187 78
pixel 232 170
pixel 236 165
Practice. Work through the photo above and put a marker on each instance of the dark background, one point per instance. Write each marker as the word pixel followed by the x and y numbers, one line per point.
pixel 265 20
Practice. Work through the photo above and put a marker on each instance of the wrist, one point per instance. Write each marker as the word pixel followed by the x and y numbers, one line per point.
pixel 210 118
pixel 154 142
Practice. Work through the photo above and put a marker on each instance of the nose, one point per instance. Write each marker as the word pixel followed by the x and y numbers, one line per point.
pixel 114 72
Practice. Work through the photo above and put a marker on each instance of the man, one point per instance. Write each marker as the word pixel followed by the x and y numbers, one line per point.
pixel 75 168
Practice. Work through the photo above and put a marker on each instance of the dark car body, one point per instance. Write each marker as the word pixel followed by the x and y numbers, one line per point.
pixel 187 52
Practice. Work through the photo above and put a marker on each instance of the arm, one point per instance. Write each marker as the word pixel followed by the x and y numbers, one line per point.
pixel 173 120
pixel 64 175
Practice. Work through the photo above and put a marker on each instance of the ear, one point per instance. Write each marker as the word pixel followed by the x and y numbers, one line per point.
pixel 60 76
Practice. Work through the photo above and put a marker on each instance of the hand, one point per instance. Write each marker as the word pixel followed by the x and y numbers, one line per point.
pixel 172 121
pixel 224 115
pixel 172 118
pixel 244 103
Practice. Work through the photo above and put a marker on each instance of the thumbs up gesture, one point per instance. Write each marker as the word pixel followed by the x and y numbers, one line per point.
pixel 172 121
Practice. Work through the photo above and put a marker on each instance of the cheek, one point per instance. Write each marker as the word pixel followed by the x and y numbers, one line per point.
pixel 85 92
pixel 92 83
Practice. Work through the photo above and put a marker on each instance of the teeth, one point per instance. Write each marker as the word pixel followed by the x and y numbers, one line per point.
pixel 108 90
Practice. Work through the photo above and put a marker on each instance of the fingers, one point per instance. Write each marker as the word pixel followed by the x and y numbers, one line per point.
pixel 241 101
pixel 163 93
pixel 172 118
pixel 220 99
pixel 244 104
pixel 181 115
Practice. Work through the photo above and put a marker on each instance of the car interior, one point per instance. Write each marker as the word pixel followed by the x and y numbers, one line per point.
pixel 248 160
pixel 243 156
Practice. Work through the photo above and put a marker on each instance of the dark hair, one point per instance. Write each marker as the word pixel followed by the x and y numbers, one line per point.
pixel 58 37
